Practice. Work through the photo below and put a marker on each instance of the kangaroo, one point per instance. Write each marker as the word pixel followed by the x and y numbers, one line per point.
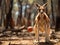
pixel 42 22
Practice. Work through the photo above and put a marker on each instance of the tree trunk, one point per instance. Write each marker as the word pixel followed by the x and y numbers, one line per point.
pixel 9 20
pixel 58 18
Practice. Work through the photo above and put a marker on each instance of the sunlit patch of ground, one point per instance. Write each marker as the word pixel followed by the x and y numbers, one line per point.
pixel 28 40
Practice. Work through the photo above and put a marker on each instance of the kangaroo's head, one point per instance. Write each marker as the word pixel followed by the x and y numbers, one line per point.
pixel 40 8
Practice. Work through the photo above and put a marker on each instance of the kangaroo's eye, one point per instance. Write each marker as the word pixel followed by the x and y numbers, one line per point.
pixel 43 10
pixel 39 10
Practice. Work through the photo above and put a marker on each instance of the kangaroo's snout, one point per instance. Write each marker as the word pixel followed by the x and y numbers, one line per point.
pixel 41 11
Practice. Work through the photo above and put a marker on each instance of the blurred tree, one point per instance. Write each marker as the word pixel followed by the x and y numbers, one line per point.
pixel 9 21
pixel 53 8
pixel 20 7
pixel 2 9
pixel 0 13
pixel 20 12
pixel 15 11
pixel 58 18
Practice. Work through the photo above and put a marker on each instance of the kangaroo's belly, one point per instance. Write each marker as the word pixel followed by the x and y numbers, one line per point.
pixel 41 25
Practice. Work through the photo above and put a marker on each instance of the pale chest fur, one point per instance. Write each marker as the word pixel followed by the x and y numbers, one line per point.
pixel 40 19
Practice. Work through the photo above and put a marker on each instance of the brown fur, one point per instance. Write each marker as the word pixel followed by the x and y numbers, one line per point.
pixel 42 21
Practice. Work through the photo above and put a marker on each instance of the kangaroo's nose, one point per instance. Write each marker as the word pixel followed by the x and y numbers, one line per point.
pixel 41 11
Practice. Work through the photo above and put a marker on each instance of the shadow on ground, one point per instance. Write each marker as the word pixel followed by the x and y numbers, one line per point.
pixel 45 43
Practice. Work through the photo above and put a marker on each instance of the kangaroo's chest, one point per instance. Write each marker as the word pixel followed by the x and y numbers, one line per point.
pixel 41 19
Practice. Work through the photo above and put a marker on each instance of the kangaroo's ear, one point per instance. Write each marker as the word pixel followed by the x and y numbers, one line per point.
pixel 45 5
pixel 37 5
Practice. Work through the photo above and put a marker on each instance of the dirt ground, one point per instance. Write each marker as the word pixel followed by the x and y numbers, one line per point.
pixel 26 41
